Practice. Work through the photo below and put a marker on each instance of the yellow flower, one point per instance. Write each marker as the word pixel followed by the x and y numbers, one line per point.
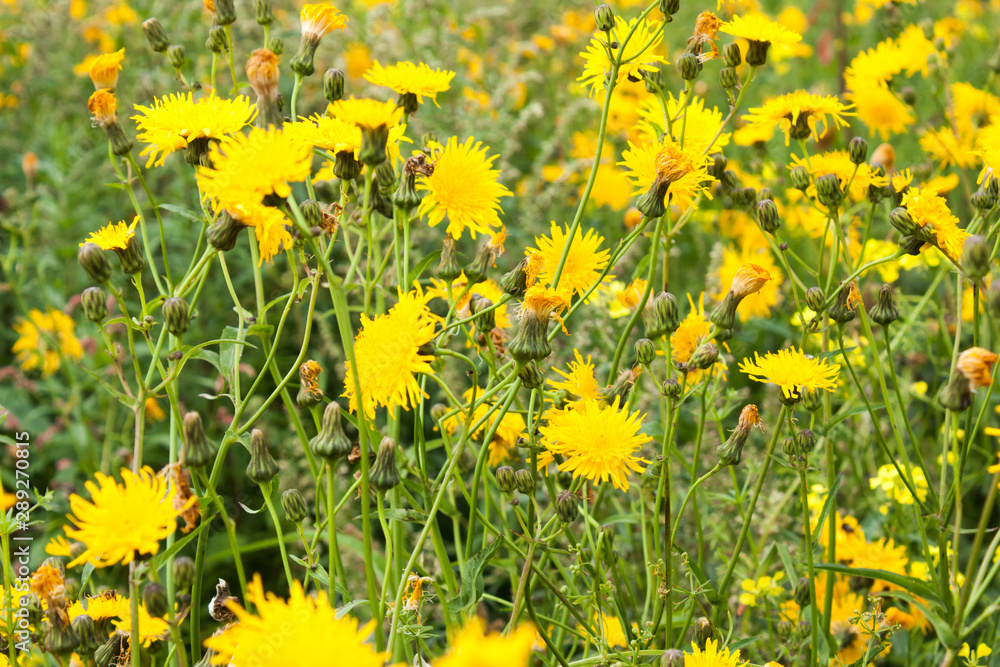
pixel 153 410
pixel 927 208
pixel 309 627
pixel 584 261
pixel 762 587
pixel 638 54
pixel 580 384
pixel 761 32
pixel 329 133
pixel 245 168
pixel 881 110
pixel 463 187
pixel 99 608
pixel 688 337
pixel 889 481
pixel 698 124
pixel 367 114
pixel 611 629
pixel 102 106
pixel 510 429
pixel 626 297
pixel 599 442
pixel 175 121
pixel 712 656
pixel 972 658
pixel 860 177
pixel 473 647
pixel 121 15
pixel 270 226
pixel 320 20
pixel 798 114
pixel 990 155
pixel 104 69
pixel 387 352
pixel 684 171
pixel 113 235
pixel 43 340
pixel 150 628
pixel 757 302
pixel 357 59
pixel 611 187
pixel 406 78
pixel 792 371
pixel 123 521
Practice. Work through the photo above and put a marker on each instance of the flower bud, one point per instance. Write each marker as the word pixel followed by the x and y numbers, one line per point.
pixel 660 315
pixel 130 257
pixel 673 657
pixel 95 304
pixel 669 7
pixel 806 441
pixel 217 41
pixel 983 199
pixel 803 593
pixel 385 178
pixel 785 629
pixel 746 198
pixel 183 571
pixel 262 468
pixel 485 315
pixel 223 232
pixel 175 56
pixel 815 299
pixel 901 220
pixel 59 639
pixel 567 506
pixel 728 78
pixel 857 150
pixel 767 215
pixel 653 78
pixel 524 482
pixel 956 395
pixel 689 66
pixel 799 177
pixel 884 311
pixel 94 262
pixel 197 451
pixel 175 315
pixel 911 245
pixel 225 12
pixel 718 166
pixel 155 35
pixel 645 351
pixel 384 475
pixel 85 630
pixel 114 651
pixel 294 506
pixel 515 281
pixel 976 257
pixel 622 387
pixel 309 392
pixel 843 309
pixel 703 631
pixel 730 452
pixel 505 480
pixel 705 356
pixel 605 18
pixel 531 375
pixel 406 196
pixel 331 442
pixel 276 45
pixel 449 268
pixel 828 190
pixel 333 85
pixel 262 12
pixel 671 389
pixel 730 181
pixel 154 596
pixel 732 55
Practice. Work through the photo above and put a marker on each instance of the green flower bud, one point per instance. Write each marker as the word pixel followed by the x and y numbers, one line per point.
pixel 130 257
pixel 175 315
pixel 828 190
pixel 373 145
pixel 651 204
pixel 294 506
pixel 183 570
pixel 175 56
pixel 810 399
pixel 767 215
pixel 331 442
pixel 703 629
pixel 804 629
pixel 515 281
pixel 705 356
pixel 485 315
pixel 884 311
pixel 567 507
pixel 807 441
pixel 605 18
pixel 983 199
pixel 406 196
pixel 384 475
pixel 800 178
pixel 531 342
pixel 622 387
pixel 95 304
pixel 217 41
pixel 154 596
pixel 333 85
pixel 956 395
pixel 673 657
pixel 731 54
pixel 59 640
pixel 449 268
pixel 94 262
pixel 380 201
pixel 901 220
pixel 718 167
pixel 222 233
pixel 730 181
pixel 815 299
pixel 197 451
pixel 276 45
pixel 385 178
pixel 155 35
pixel 85 630
pixel 857 150
pixel 345 166
pixel 671 389
pixel 689 66
pixel 803 593
pixel 113 651
pixel 785 629
pixel 728 78
pixel 660 315
pixel 225 12
pixel 976 257
pixel 746 198
pixel 262 468
pixel 911 245
pixel 531 375
pixel 262 12
pixel 505 480
pixel 757 54
pixel 121 143
pixel 843 309
pixel 669 7
pixel 653 78
pixel 196 151
pixel 645 351
pixel 524 482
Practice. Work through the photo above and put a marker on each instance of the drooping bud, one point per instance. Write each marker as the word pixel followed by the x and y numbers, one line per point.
pixel 95 304
pixel 605 18
pixel 94 262
pixel 485 258
pixel 262 468
pixel 197 451
pixel 59 639
pixel 333 85
pixel 331 442
pixel 175 315
pixel 828 191
pixel 884 311
pixel 294 506
pixel 384 474
pixel 767 215
pixel 976 257
pixel 857 150
pixel 567 506
pixel 660 315
pixel 515 281
pixel 449 268
pixel 531 376
pixel 154 596
pixel 815 299
pixel 645 351
pixel 730 452
pixel 406 196
pixel 155 35
pixel 703 631
pixel 309 392
pixel 224 231
pixel 524 482
pixel 800 178
pixel 505 480
pixel 532 340
pixel 183 570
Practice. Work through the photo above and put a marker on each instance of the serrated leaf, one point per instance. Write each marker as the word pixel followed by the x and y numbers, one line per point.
pixel 472 577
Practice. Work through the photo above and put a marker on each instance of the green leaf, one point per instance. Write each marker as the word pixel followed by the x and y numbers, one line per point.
pixel 823 513
pixel 746 641
pixel 914 586
pixel 343 611
pixel 88 569
pixel 411 515
pixel 227 353
pixel 941 627
pixel 262 331
pixel 183 212
pixel 161 558
pixel 422 265
pixel 472 577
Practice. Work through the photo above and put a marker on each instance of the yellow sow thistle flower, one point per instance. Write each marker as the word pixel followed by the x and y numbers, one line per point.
pixel 104 69
pixel 661 168
pixel 319 20
pixel 43 340
pixel 584 261
pixel 113 236
pixel 927 208
pixel 749 279
pixel 761 32
pixel 411 82
pixel 464 187
pixel 309 629
pixel 637 57
pixel 472 646
pixel 122 522
pixel 792 371
pixel 532 340
pixel 890 483
pixel 599 442
pixel 375 120
pixel 762 587
pixel 712 656
pixel 798 114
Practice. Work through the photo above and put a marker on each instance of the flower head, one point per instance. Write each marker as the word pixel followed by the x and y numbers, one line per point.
pixel 43 340
pixel 472 646
pixel 174 121
pixel 270 226
pixel 712 656
pixel 700 125
pixel 114 235
pixel 688 337
pixel 149 628
pixel 681 171
pixel 332 134
pixel 124 521
pixel 759 28
pixel 367 114
pixel 599 442
pixel 388 356
pixel 104 69
pixel 542 301
pixel 103 106
pixel 976 364
pixel 761 284
pixel 463 187
pixel 406 78
pixel 638 54
pixel 579 383
pixel 262 73
pixel 858 177
pixel 310 628
pixel 319 20
pixel 792 371
pixel 749 279
pixel 584 260
pixel 926 207
pixel 798 114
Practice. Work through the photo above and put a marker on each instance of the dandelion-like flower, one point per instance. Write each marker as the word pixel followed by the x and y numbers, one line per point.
pixel 926 207
pixel 367 114
pixel 387 351
pixel 859 177
pixel 319 20
pixel 661 168
pixel 329 133
pixel 407 79
pixel 599 442
pixel 270 226
pixel 122 522
pixel 579 382
pixel 309 627
pixel 712 656
pixel 464 187
pixel 174 122
pixel 149 628
pixel 472 646
pixel 44 339
pixel 761 32
pixel 637 57
pixel 758 302
pixel 700 125
pixel 584 260
pixel 798 114
pixel 104 69
pixel 103 107
pixel 792 371
pixel 113 236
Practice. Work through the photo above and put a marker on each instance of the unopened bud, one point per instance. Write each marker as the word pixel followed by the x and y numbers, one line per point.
pixel 976 257
pixel 815 299
pixel 672 658
pixel 294 506
pixel 703 631
pixel 95 304
pixel 333 85
pixel 94 262
pixel 175 315
pixel 671 389
pixel 183 570
pixel 605 18
pixel 645 351
pixel 175 56
pixel 505 480
pixel 767 215
pixel 154 596
pixel 731 53
pixel 660 315
pixel 857 150
pixel 884 311
pixel 262 468
pixel 728 78
pixel 799 177
pixel 449 268
pixel 531 376
pixel 803 593
pixel 197 450
pixel 217 41
pixel 828 190
pixel 705 356
pixel 515 281
pixel 689 66
pixel 155 35
pixel 567 506
pixel 262 12
pixel 524 482
pixel 331 442
pixel 384 474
